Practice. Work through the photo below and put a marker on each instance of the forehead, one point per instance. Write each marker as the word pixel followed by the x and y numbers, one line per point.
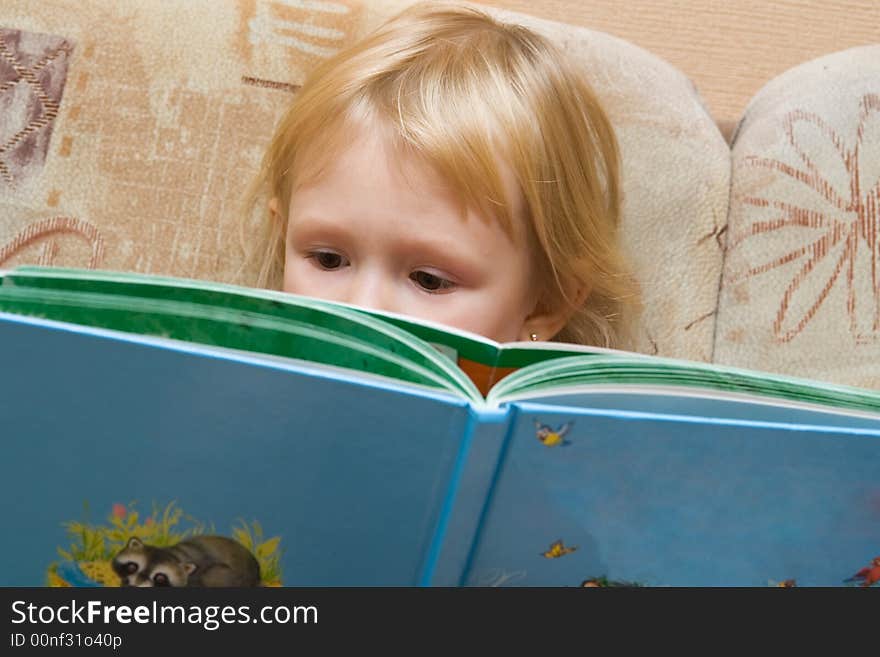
pixel 393 192
pixel 371 152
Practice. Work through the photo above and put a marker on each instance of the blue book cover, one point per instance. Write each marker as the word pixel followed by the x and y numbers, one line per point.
pixel 368 450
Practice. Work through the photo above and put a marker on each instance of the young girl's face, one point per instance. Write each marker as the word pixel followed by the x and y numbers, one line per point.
pixel 380 229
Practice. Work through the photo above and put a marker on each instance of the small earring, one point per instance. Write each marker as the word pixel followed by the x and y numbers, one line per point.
pixel 534 337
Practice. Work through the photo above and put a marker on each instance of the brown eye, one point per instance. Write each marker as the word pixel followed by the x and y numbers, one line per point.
pixel 430 282
pixel 130 568
pixel 161 579
pixel 328 259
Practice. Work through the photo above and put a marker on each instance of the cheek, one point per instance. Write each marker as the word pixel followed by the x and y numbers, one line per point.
pixel 298 279
pixel 288 284
pixel 303 278
pixel 498 328
pixel 507 313
pixel 289 280
pixel 488 313
pixel 503 327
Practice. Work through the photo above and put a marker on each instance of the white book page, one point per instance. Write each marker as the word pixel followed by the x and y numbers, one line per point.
pixel 686 400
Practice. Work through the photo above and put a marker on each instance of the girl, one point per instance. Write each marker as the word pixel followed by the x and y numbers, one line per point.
pixel 453 168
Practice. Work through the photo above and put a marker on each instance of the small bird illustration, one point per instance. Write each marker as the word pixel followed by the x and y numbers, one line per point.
pixel 784 584
pixel 869 575
pixel 552 437
pixel 557 549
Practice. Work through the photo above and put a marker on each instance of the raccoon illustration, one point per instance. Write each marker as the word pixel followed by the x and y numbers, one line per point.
pixel 198 561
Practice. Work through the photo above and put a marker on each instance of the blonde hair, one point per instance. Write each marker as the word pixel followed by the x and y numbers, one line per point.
pixel 463 90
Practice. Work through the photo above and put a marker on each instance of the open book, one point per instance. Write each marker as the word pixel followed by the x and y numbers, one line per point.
pixel 351 447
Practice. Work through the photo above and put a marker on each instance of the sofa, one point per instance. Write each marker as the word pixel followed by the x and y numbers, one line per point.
pixel 129 131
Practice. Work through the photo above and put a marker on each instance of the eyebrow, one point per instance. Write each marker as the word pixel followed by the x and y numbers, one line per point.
pixel 311 223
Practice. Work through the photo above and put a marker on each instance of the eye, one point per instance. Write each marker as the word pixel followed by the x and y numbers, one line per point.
pixel 161 579
pixel 130 568
pixel 329 260
pixel 431 282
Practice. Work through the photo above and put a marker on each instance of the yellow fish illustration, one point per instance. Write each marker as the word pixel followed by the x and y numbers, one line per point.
pixel 557 549
pixel 552 437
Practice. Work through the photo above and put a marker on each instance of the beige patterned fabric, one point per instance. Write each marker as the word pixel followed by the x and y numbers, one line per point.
pixel 129 130
pixel 801 287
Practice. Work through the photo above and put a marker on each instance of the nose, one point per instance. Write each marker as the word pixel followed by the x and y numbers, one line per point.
pixel 372 289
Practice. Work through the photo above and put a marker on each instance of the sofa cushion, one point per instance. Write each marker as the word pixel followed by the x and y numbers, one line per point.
pixel 801 285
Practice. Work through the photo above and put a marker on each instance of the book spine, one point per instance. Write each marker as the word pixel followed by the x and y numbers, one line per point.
pixel 481 450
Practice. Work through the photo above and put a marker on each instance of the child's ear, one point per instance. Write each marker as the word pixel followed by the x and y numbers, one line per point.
pixel 546 321
pixel 275 216
pixel 274 206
